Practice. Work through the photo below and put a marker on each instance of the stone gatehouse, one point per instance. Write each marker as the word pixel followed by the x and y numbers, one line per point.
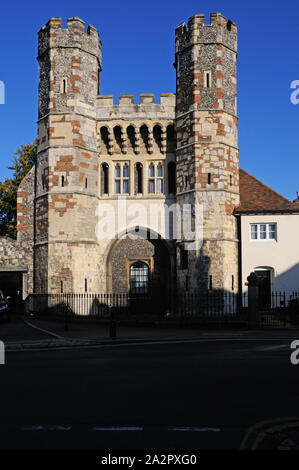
pixel 97 152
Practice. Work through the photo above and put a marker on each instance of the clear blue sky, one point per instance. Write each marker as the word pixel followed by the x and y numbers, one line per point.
pixel 138 53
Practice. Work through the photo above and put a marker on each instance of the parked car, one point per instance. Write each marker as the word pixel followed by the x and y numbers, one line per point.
pixel 4 307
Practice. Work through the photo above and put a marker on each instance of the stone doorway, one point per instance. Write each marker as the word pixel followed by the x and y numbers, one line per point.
pixel 143 268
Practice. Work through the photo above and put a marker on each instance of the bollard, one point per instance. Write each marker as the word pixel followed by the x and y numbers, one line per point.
pixel 66 323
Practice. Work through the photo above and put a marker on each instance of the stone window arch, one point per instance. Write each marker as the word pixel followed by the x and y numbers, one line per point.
pixel 104 178
pixel 144 136
pixel 131 138
pixel 157 135
pixel 104 137
pixel 138 178
pixel 117 139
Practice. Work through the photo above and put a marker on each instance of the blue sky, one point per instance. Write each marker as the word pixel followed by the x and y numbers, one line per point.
pixel 138 53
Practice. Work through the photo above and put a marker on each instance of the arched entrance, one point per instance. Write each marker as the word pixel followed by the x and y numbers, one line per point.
pixel 142 267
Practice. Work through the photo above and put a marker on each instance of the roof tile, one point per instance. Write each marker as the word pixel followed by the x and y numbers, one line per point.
pixel 255 196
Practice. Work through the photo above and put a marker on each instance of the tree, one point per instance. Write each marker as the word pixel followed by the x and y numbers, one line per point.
pixel 22 162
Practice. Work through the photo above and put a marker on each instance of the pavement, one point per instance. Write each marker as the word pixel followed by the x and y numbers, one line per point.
pixel 32 333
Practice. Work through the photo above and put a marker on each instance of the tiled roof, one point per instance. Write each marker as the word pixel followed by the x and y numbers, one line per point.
pixel 255 196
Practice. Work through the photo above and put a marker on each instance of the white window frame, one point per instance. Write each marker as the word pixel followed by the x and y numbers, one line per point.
pixel 259 239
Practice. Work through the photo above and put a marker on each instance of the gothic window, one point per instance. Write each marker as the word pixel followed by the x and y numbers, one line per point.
pixel 104 178
pixel 117 179
pixel 159 178
pixel 138 179
pixel 125 179
pixel 155 178
pixel 121 178
pixel 151 181
pixel 139 278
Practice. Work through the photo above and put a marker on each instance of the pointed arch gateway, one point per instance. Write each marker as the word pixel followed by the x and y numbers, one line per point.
pixel 143 268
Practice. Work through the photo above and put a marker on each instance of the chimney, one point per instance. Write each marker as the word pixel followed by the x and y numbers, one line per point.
pixel 297 200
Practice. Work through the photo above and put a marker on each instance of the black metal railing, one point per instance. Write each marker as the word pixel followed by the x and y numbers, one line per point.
pixel 282 310
pixel 100 305
pixel 206 307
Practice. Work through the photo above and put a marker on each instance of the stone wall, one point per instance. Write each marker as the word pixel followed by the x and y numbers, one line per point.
pixel 17 255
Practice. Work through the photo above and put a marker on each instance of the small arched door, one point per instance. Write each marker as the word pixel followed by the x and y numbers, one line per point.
pixel 139 278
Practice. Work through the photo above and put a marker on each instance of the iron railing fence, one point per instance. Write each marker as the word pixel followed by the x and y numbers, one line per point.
pixel 103 305
pixel 210 303
pixel 282 310
pixel 206 307
pixel 88 305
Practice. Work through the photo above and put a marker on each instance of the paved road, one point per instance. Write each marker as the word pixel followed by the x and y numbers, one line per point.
pixel 201 395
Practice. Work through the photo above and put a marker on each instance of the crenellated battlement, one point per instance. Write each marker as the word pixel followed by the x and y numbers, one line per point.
pixel 126 109
pixel 74 35
pixel 146 99
pixel 220 30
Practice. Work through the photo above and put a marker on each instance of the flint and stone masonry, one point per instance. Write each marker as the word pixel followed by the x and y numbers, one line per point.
pixel 94 149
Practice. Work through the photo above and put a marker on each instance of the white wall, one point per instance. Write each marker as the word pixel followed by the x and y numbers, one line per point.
pixel 282 255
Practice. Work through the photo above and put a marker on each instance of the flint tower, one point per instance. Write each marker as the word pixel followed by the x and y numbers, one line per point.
pixel 207 148
pixel 67 167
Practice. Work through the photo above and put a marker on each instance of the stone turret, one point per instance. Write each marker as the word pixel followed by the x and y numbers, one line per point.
pixel 67 166
pixel 207 147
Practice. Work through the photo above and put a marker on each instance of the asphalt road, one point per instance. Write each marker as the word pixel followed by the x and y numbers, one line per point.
pixel 201 395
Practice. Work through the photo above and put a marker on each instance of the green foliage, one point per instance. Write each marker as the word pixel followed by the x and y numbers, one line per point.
pixel 22 162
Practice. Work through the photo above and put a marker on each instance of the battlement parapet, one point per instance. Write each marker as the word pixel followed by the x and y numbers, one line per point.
pixel 126 108
pixel 146 99
pixel 220 30
pixel 52 35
